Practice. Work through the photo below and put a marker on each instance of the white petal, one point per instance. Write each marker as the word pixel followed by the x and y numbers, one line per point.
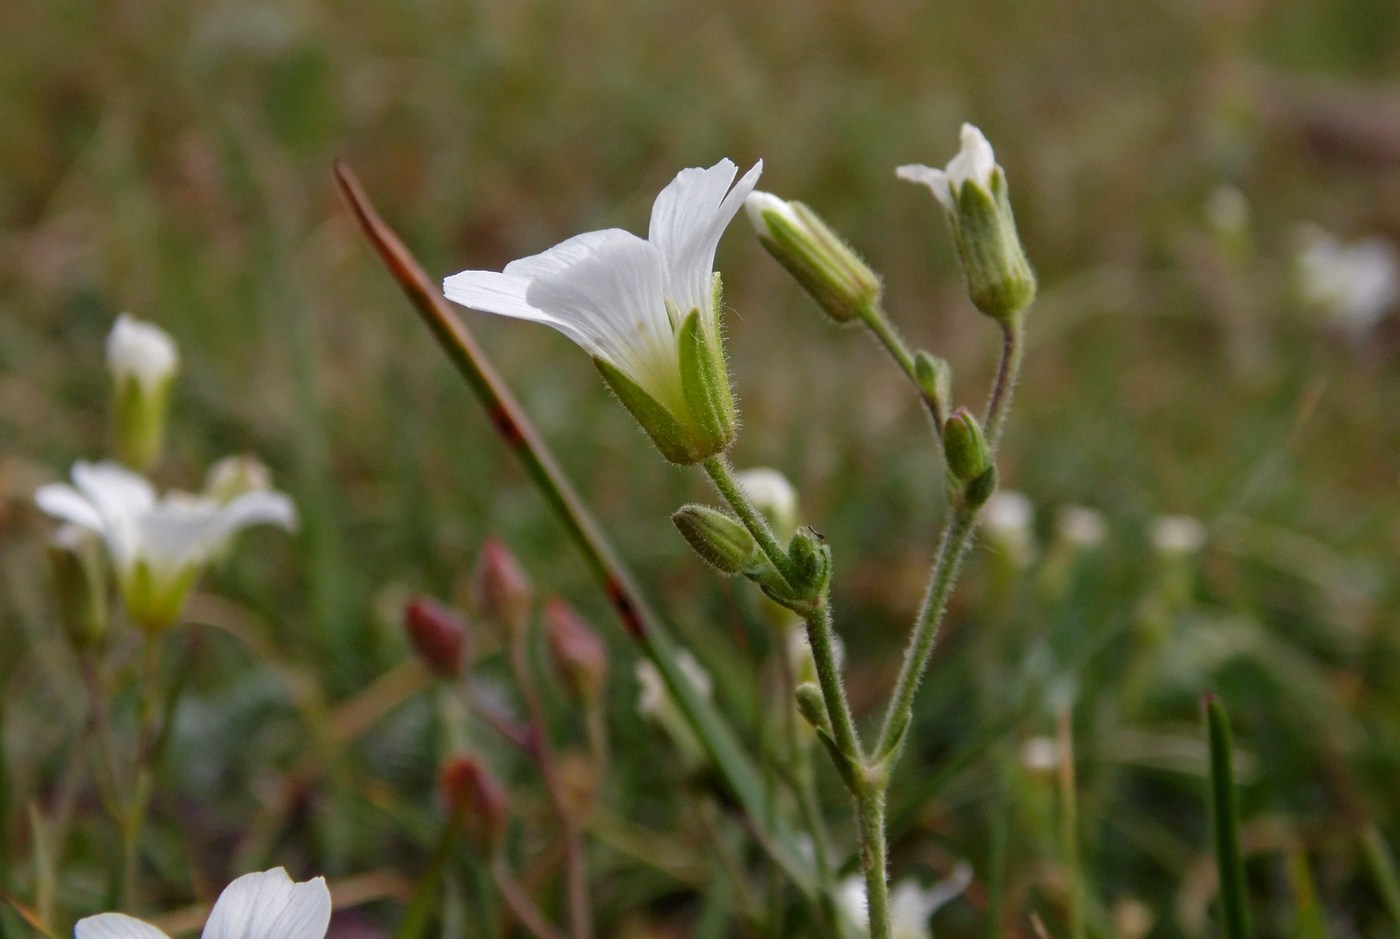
pixel 687 220
pixel 115 926
pixel 935 180
pixel 176 535
pixel 974 162
pixel 563 255
pixel 613 299
pixel 121 498
pixel 260 507
pixel 63 501
pixel 759 204
pixel 490 292
pixel 141 350
pixel 270 905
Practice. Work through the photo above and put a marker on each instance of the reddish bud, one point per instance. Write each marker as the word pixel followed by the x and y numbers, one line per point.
pixel 472 792
pixel 500 587
pixel 577 651
pixel 438 634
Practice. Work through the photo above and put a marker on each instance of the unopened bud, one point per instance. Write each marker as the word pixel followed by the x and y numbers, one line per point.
pixel 812 706
pixel 80 584
pixel 973 192
pixel 143 360
pixel 935 378
pixel 474 794
pixel 438 635
pixel 234 476
pixel 827 268
pixel 811 562
pixel 971 475
pixel 720 539
pixel 577 651
pixel 502 592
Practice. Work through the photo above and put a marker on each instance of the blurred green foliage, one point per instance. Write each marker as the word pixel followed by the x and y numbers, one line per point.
pixel 172 159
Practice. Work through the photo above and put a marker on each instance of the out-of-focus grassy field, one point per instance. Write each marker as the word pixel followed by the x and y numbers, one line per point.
pixel 173 160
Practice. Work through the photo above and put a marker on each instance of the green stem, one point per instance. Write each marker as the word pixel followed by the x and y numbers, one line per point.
pixel 722 475
pixel 1013 350
pixel 1225 815
pixel 874 855
pixel 879 324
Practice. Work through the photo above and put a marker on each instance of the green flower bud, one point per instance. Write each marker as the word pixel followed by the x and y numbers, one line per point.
pixel 811 563
pixel 812 706
pixel 971 475
pixel 827 268
pixel 935 378
pixel 722 541
pixel 973 192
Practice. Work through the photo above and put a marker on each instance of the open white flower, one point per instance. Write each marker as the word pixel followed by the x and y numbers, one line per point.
pixel 267 905
pixel 1355 285
pixel 157 545
pixel 646 309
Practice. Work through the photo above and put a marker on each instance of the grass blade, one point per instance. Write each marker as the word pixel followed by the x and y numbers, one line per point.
pixel 635 614
pixel 1383 869
pixel 1225 816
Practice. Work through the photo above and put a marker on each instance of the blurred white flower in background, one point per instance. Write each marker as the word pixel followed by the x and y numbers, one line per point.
pixel 1354 285
pixel 267 905
pixel 1080 526
pixel 157 545
pixel 911 905
pixel 1006 524
pixel 142 352
pixel 1176 536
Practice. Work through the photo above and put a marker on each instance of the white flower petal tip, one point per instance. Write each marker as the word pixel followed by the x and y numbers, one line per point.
pixel 759 203
pixel 935 179
pixel 626 299
pixel 141 350
pixel 270 905
pixel 115 926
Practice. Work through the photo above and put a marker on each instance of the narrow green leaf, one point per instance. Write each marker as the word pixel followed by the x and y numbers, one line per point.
pixel 1225 815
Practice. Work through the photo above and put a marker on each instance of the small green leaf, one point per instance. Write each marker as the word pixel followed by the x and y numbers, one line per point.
pixel 1225 816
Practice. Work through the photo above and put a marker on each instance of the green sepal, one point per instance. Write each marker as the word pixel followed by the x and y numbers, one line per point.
pixel 721 540
pixel 705 383
pixel 999 277
pixel 812 706
pixel 821 262
pixel 661 425
pixel 153 605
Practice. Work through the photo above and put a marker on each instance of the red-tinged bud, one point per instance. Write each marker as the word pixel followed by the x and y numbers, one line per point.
pixel 438 634
pixel 577 651
pixel 472 792
pixel 500 588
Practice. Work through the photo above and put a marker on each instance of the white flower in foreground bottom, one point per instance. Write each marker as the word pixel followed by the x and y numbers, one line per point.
pixel 646 309
pixel 268 905
pixel 157 546
pixel 973 191
pixel 910 904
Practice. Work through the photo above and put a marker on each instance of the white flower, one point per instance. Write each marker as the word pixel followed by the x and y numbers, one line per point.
pixel 267 905
pixel 656 704
pixel 1040 755
pixel 910 904
pixel 141 350
pixel 975 163
pixel 1006 522
pixel 628 302
pixel 157 546
pixel 1080 526
pixel 774 496
pixel 973 192
pixel 1356 284
pixel 1176 535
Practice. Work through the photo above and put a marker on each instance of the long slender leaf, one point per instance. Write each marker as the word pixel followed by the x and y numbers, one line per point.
pixel 1225 815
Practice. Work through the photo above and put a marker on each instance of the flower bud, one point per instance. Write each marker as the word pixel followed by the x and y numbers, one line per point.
pixel 80 584
pixel 812 706
pixel 143 360
pixel 721 540
pixel 827 268
pixel 973 192
pixel 474 794
pixel 502 592
pixel 971 475
pixel 811 563
pixel 438 635
pixel 577 651
pixel 935 378
pixel 234 476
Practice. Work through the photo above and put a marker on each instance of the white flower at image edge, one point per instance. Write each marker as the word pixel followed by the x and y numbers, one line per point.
pixel 157 546
pixel 911 905
pixel 625 299
pixel 267 905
